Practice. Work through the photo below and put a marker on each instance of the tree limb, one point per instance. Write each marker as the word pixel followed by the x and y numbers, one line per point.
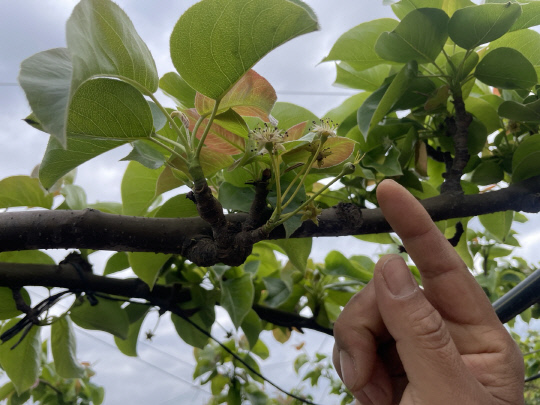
pixel 92 229
pixel 17 275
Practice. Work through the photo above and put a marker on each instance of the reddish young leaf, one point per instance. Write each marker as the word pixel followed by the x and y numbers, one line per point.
pixel 296 132
pixel 252 96
pixel 218 139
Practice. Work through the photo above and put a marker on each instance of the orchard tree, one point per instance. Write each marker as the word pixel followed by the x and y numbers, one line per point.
pixel 448 106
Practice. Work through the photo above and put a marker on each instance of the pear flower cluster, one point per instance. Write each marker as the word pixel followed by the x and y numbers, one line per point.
pixel 268 139
pixel 327 128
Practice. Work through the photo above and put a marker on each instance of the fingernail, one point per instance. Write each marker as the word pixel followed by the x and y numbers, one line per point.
pixel 398 278
pixel 348 369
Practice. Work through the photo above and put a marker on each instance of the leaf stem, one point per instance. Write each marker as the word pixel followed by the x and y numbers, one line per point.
pixel 175 153
pixel 206 130
pixel 277 175
pixel 164 138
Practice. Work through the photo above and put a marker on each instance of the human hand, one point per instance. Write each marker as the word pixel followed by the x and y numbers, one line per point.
pixel 399 344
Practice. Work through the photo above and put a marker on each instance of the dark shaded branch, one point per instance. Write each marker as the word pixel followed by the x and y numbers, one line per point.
pixel 458 129
pixel 92 229
pixel 17 275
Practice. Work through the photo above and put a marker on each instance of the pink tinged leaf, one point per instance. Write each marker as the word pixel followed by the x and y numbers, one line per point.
pixel 296 132
pixel 251 96
pixel 335 151
pixel 218 139
pixel 211 162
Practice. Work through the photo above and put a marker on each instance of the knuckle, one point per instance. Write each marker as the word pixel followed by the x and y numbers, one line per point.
pixel 429 328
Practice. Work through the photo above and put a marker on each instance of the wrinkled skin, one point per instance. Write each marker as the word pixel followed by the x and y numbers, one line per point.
pixel 399 344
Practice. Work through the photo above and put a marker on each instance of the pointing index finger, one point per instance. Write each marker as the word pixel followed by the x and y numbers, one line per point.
pixel 447 282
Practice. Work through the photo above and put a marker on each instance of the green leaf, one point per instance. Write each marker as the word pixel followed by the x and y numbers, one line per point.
pixel 388 165
pixel 64 349
pixel 345 109
pixel 176 88
pixel 525 41
pixel 46 78
pixel 379 238
pixel 529 17
pixel 178 206
pixel 338 265
pixel 236 198
pixel 109 109
pixel 381 101
pixel 22 364
pixel 405 43
pixel 188 333
pixel 146 155
pixel 107 316
pixel 520 112
pixel 23 191
pixel 370 79
pixel 485 112
pixel 59 161
pixel 252 327
pixel 487 172
pixel 146 265
pixel 288 115
pixel 26 256
pixel 215 42
pixel 498 224
pixel 278 291
pixel 477 25
pixel 75 197
pixel 402 8
pixel 136 314
pixel 138 188
pixel 117 262
pixel 467 65
pixel 251 96
pixel 526 159
pixel 237 297
pixel 103 41
pixel 297 250
pixel 6 390
pixel 506 68
pixel 8 308
pixel 357 46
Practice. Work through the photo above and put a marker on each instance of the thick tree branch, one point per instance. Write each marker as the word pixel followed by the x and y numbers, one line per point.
pixel 91 229
pixel 17 275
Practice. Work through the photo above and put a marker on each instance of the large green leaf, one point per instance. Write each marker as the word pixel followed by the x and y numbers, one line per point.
pixel 477 25
pixel 381 101
pixel 136 314
pixel 520 112
pixel 216 42
pixel 350 106
pixel 45 78
pixel 109 109
pixel 178 206
pixel 237 297
pixel 117 262
pixel 176 88
pixel 525 41
pixel 298 250
pixel 107 316
pixel 403 7
pixel 23 191
pixel 252 327
pixel 529 17
pixel 357 46
pixel 369 79
pixel 58 161
pixel 8 308
pixel 526 159
pixel 22 364
pixel 506 68
pixel 498 224
pixel 146 265
pixel 289 115
pixel 138 188
pixel 338 265
pixel 405 42
pixel 64 349
pixel 103 41
pixel 485 112
pixel 251 96
pixel 204 318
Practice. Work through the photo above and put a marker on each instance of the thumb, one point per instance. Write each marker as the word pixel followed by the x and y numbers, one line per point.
pixel 424 344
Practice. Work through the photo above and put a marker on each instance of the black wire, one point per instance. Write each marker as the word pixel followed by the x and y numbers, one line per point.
pixel 303 400
pixel 534 377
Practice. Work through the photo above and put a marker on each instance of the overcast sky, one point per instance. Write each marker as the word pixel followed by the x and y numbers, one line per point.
pixel 162 374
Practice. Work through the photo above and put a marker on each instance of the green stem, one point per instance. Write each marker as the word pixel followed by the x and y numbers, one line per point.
pixel 175 153
pixel 306 172
pixel 277 175
pixel 206 130
pixel 285 217
pixel 196 129
pixel 164 138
